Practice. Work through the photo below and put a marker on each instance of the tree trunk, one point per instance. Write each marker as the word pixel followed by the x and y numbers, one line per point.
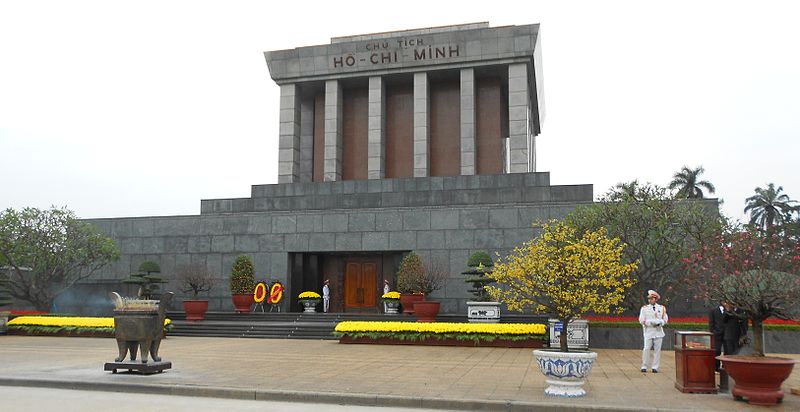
pixel 564 323
pixel 758 337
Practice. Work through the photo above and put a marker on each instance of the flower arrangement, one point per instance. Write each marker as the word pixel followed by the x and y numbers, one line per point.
pixel 310 296
pixel 56 325
pixel 414 331
pixel 391 296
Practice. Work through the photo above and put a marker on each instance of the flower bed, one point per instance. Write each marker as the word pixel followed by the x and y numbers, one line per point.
pixel 66 326
pixel 685 323
pixel 442 333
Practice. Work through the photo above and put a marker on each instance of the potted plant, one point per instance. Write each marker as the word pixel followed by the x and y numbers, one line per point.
pixel 481 309
pixel 309 300
pixel 195 278
pixel 391 301
pixel 148 279
pixel 410 277
pixel 242 283
pixel 756 271
pixel 565 273
pixel 434 277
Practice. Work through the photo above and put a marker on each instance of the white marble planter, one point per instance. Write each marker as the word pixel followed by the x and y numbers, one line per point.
pixel 565 372
pixel 309 306
pixel 483 312
pixel 392 306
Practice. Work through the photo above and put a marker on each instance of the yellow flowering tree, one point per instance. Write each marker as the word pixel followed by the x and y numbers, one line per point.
pixel 565 273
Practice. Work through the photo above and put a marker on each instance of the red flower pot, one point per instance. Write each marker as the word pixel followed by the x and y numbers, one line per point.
pixel 242 302
pixel 407 301
pixel 426 310
pixel 195 309
pixel 757 378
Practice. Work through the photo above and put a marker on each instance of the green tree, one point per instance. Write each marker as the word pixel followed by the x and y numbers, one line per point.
pixel 411 274
pixel 769 208
pixel 48 251
pixel 243 278
pixel 688 184
pixel 658 232
pixel 756 271
pixel 564 272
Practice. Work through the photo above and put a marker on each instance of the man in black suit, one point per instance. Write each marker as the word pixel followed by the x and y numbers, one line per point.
pixel 735 329
pixel 716 325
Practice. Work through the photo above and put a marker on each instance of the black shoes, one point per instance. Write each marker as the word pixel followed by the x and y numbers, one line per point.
pixel 655 370
pixel 644 370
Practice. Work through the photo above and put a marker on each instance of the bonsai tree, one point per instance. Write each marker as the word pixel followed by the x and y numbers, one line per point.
pixel 195 278
pixel 410 274
pixel 565 273
pixel 756 271
pixel 148 279
pixel 242 276
pixel 479 264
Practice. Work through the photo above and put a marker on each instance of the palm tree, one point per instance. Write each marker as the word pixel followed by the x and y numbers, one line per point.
pixel 687 184
pixel 769 207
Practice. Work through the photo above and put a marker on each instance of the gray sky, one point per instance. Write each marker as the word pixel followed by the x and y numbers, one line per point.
pixel 141 108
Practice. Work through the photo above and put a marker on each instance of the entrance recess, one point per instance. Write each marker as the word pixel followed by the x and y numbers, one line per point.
pixel 360 284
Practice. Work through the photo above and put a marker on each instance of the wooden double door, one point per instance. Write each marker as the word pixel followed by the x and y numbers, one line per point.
pixel 360 284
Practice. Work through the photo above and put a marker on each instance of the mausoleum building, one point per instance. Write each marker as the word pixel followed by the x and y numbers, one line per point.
pixel 418 140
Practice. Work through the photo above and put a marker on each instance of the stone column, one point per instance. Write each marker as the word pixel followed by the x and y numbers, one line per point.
pixel 333 131
pixel 518 118
pixel 376 152
pixel 421 125
pixel 468 149
pixel 306 140
pixel 289 135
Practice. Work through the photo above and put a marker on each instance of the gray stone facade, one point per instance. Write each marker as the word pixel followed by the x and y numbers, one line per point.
pixel 446 217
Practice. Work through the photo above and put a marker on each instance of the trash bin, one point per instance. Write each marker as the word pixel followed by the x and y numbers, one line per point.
pixel 694 362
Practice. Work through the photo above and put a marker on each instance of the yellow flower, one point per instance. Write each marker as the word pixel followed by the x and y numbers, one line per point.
pixel 67 321
pixel 391 295
pixel 309 295
pixel 443 327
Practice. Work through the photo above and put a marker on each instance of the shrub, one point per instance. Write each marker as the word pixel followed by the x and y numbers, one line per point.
pixel 242 275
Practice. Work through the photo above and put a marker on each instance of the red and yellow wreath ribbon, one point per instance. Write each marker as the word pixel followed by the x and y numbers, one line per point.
pixel 275 293
pixel 260 292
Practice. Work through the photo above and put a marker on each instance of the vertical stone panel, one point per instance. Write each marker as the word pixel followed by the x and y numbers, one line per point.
pixel 333 131
pixel 376 158
pixel 399 132
pixel 421 125
pixel 468 155
pixel 306 140
pixel 289 135
pixel 519 135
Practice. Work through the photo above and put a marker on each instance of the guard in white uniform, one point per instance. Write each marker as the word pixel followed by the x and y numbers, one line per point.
pixel 653 317
pixel 385 291
pixel 326 296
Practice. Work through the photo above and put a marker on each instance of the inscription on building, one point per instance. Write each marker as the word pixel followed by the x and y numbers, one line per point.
pixel 385 52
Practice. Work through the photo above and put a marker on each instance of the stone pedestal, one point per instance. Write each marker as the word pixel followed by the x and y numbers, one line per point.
pixel 483 312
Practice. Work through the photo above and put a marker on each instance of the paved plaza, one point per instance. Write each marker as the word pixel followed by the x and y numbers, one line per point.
pixel 368 375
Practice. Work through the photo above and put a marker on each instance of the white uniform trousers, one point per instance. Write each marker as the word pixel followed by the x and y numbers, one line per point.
pixel 654 343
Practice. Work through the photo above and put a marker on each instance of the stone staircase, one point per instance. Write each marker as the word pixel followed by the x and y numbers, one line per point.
pixel 293 325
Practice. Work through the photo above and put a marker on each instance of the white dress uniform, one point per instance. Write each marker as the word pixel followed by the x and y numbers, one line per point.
pixel 653 318
pixel 326 298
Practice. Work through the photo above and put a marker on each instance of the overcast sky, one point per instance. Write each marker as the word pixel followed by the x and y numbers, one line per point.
pixel 142 108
